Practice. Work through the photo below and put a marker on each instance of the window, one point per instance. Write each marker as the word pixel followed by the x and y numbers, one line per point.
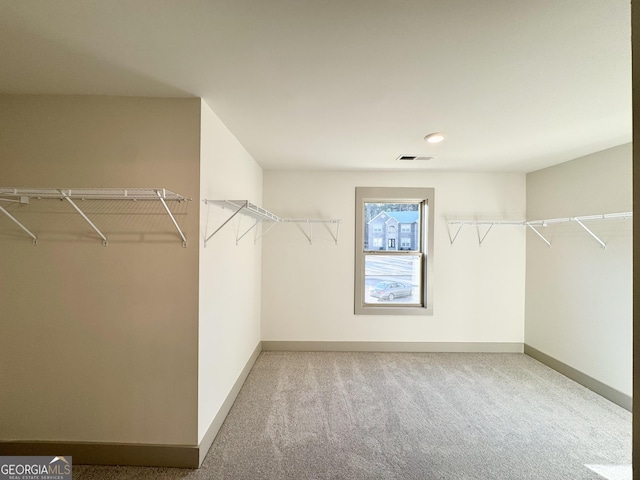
pixel 391 281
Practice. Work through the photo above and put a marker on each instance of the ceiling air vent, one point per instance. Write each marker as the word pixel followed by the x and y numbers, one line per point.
pixel 411 158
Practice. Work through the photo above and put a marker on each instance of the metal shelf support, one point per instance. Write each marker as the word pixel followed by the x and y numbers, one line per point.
pixel 223 224
pixel 453 239
pixel 17 222
pixel 66 197
pixel 264 232
pixel 590 233
pixel 238 238
pixel 538 233
pixel 161 194
pixel 481 239
pixel 311 221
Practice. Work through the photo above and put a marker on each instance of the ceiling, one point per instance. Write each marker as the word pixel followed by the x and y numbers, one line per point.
pixel 517 85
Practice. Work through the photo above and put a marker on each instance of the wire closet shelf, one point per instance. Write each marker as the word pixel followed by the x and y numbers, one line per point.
pixel 534 225
pixel 260 215
pixel 25 195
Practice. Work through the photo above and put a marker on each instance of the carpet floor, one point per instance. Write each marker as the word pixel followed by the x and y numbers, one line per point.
pixel 344 415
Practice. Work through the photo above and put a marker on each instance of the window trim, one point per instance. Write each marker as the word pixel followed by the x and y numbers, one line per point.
pixel 390 195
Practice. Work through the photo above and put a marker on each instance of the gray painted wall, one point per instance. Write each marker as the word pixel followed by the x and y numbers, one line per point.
pixel 579 295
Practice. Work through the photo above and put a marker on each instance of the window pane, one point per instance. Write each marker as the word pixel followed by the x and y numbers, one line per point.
pixel 384 222
pixel 394 251
pixel 392 279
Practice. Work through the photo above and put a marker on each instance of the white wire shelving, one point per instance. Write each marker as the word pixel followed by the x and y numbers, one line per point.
pixel 311 221
pixel 25 195
pixel 534 225
pixel 260 215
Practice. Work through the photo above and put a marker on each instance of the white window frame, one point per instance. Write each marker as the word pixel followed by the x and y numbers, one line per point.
pixel 426 197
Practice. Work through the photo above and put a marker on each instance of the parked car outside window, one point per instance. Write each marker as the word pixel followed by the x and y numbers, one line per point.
pixel 390 290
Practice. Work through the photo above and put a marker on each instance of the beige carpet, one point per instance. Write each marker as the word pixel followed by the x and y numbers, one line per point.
pixel 407 416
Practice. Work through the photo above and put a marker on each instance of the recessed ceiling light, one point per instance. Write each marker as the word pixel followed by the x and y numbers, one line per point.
pixel 436 137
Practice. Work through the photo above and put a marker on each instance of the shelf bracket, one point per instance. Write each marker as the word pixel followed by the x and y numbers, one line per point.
pixel 590 232
pixel 538 233
pixel 66 197
pixel 452 240
pixel 310 236
pixel 337 232
pixel 160 194
pixel 336 222
pixel 225 222
pixel 17 222
pixel 264 232
pixel 247 231
pixel 481 239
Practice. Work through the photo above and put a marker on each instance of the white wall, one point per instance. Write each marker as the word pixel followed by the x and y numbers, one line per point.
pixel 98 344
pixel 308 290
pixel 229 325
pixel 579 296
